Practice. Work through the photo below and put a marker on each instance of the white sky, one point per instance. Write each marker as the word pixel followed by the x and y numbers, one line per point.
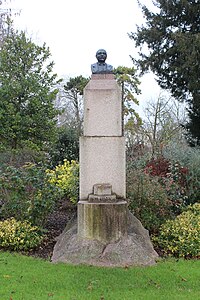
pixel 75 29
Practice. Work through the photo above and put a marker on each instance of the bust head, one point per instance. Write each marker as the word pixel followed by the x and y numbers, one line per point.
pixel 101 55
pixel 101 67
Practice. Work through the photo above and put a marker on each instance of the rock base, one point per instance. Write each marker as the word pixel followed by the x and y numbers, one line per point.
pixel 135 249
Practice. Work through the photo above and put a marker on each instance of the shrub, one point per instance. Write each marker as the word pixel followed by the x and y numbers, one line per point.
pixel 173 178
pixel 19 236
pixel 181 237
pixel 148 199
pixel 66 177
pixel 66 146
pixel 26 193
pixel 157 167
pixel 189 158
pixel 19 157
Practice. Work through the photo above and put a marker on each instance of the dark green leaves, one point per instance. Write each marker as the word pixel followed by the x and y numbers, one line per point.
pixel 172 36
pixel 27 92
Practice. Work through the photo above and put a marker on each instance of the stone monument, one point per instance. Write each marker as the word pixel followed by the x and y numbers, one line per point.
pixel 105 232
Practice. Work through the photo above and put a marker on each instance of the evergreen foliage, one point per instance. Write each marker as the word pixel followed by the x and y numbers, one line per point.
pixel 129 82
pixel 27 194
pixel 19 235
pixel 172 35
pixel 27 93
pixel 181 236
pixel 66 177
pixel 66 145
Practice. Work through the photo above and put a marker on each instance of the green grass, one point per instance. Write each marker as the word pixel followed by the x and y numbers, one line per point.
pixel 27 278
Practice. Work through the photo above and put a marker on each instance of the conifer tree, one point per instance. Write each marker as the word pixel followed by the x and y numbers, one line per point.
pixel 172 36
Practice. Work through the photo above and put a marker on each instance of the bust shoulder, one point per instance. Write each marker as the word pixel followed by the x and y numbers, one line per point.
pixel 94 68
pixel 101 68
pixel 110 68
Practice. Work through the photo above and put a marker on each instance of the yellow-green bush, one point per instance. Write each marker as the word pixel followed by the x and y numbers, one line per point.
pixel 66 177
pixel 181 237
pixel 19 235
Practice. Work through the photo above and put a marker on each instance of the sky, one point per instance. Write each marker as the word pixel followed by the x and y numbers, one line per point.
pixel 75 29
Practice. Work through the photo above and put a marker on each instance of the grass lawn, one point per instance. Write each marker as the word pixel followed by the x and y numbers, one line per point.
pixel 26 278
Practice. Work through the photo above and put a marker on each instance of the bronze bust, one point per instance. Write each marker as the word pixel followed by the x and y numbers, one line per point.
pixel 101 67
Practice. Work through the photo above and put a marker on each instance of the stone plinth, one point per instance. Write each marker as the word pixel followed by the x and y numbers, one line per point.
pixel 102 160
pixel 103 221
pixel 102 107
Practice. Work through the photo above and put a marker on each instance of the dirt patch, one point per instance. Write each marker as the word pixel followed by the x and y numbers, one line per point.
pixel 55 225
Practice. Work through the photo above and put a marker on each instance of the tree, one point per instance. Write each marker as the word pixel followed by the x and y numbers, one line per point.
pixel 73 91
pixel 172 35
pixel 163 123
pixel 192 127
pixel 66 145
pixel 27 92
pixel 129 83
pixel 5 21
pixel 70 101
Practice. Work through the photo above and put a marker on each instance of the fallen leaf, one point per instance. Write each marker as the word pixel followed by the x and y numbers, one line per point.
pixel 126 267
pixel 90 287
pixel 183 279
pixel 50 294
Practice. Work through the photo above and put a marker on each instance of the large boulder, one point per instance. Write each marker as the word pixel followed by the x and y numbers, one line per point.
pixel 135 249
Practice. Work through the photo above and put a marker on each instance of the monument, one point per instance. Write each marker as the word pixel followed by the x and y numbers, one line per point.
pixel 105 233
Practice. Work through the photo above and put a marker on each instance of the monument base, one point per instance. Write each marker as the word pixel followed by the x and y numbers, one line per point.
pixel 102 221
pixel 134 249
